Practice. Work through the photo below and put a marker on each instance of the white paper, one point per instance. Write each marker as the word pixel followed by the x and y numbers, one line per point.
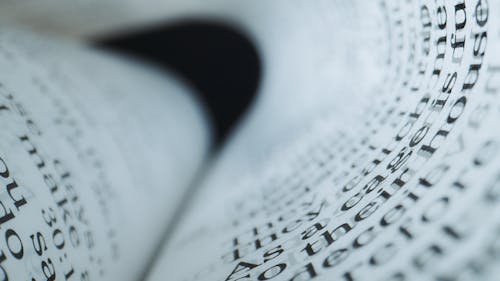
pixel 399 182
pixel 102 150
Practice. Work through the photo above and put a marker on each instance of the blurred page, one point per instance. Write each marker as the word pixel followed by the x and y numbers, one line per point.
pixel 297 43
pixel 372 153
pixel 95 156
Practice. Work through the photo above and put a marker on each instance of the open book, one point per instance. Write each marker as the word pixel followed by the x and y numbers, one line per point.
pixel 372 152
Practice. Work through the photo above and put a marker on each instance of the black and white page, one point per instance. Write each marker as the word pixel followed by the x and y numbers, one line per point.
pixel 96 153
pixel 391 174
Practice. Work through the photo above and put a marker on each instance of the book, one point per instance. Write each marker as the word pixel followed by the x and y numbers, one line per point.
pixel 371 152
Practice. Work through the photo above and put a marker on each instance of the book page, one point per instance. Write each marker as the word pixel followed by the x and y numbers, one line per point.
pixel 399 180
pixel 95 156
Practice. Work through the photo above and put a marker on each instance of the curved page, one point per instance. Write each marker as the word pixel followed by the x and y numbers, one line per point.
pixel 95 154
pixel 399 182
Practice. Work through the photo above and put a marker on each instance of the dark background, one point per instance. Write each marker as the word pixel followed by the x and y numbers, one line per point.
pixel 219 61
